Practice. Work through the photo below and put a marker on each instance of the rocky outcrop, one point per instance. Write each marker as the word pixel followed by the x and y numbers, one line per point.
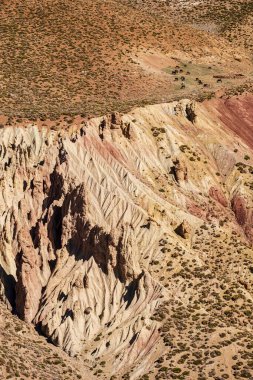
pixel 114 122
pixel 186 109
pixel 219 196
pixel 191 112
pixel 239 208
pixel 243 213
pixel 184 230
pixel 179 171
pixel 127 130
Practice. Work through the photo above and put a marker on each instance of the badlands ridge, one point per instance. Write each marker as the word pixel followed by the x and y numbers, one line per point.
pixel 127 240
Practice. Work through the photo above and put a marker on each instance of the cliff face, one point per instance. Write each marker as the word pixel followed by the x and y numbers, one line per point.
pixel 108 232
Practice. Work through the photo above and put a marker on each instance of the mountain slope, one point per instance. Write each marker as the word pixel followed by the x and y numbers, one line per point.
pixel 231 19
pixel 26 355
pixel 127 240
pixel 86 57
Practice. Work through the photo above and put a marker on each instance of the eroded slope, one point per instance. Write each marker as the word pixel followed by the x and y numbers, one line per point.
pixel 127 239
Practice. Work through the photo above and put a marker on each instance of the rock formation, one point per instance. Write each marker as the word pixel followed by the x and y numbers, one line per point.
pixel 184 230
pixel 190 112
pixel 218 196
pixel 88 249
pixel 179 171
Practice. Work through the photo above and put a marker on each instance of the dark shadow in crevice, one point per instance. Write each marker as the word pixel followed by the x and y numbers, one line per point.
pixel 62 297
pixel 34 232
pixel 55 228
pixel 133 339
pixel 131 290
pixel 55 190
pixel 52 264
pixel 86 243
pixel 68 313
pixel 39 328
pixel 9 284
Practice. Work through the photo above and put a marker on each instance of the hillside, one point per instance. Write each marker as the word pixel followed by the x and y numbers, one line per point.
pixel 127 239
pixel 26 355
pixel 89 57
pixel 232 19
pixel 126 190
